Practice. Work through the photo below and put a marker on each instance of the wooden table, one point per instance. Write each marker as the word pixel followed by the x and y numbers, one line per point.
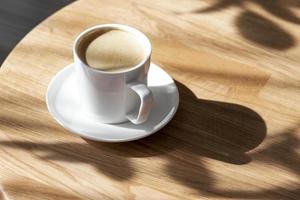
pixel 237 131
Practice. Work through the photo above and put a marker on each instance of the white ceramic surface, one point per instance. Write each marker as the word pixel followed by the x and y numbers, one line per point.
pixel 117 96
pixel 63 103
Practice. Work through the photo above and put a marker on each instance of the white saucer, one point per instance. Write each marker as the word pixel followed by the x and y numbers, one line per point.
pixel 63 105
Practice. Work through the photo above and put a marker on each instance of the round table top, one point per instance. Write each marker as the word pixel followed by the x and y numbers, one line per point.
pixel 235 135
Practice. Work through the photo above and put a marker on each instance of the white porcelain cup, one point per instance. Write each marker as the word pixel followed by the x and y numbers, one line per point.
pixel 114 97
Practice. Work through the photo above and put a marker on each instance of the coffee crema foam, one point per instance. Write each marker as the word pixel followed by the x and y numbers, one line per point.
pixel 114 50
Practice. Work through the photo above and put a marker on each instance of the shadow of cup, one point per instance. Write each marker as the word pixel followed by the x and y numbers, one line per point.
pixel 217 130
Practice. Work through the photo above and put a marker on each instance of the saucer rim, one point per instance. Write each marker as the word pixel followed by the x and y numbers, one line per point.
pixel 57 117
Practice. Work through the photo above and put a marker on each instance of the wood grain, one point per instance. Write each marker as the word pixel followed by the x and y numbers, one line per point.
pixel 237 131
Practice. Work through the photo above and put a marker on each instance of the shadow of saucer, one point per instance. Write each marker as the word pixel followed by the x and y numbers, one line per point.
pixel 218 130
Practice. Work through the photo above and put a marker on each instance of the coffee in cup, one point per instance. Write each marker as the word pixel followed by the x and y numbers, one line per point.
pixel 114 50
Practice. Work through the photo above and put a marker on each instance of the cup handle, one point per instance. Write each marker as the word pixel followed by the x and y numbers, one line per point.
pixel 146 98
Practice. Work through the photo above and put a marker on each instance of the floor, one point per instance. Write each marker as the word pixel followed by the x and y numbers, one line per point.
pixel 18 17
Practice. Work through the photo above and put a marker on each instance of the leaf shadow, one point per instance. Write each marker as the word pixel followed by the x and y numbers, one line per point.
pixel 282 152
pixel 111 165
pixel 263 31
pixel 257 28
pixel 201 130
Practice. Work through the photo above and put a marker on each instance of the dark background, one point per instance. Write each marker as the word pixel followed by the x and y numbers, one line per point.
pixel 18 17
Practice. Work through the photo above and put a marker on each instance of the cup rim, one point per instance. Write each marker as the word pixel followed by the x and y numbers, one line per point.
pixel 146 43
